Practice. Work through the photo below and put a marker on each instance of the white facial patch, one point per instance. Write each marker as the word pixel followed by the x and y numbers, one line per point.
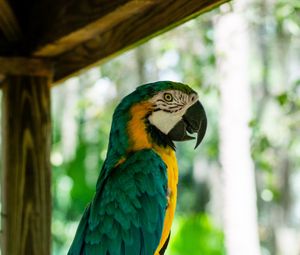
pixel 164 121
pixel 169 112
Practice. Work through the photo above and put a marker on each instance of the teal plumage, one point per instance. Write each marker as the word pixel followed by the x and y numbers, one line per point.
pixel 126 215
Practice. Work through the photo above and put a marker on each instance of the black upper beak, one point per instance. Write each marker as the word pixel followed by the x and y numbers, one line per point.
pixel 193 121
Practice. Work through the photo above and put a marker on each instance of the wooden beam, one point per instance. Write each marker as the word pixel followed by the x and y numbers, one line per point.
pixel 67 22
pixel 67 37
pixel 26 190
pixel 125 33
pixel 25 66
pixel 78 33
pixel 9 23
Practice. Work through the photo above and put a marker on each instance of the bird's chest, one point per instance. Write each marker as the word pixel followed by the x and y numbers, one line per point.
pixel 172 171
pixel 169 157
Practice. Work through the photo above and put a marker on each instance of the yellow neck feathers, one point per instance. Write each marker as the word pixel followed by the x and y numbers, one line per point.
pixel 138 137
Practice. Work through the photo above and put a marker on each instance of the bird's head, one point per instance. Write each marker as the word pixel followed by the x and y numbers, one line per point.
pixel 178 113
pixel 165 111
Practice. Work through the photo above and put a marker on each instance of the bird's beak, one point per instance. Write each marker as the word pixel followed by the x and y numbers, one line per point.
pixel 193 121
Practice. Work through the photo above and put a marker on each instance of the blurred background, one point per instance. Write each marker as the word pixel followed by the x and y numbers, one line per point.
pixel 241 187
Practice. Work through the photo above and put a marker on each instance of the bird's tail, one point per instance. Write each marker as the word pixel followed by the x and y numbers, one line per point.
pixel 78 242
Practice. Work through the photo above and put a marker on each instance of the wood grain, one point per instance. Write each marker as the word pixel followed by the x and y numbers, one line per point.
pixel 150 22
pixel 9 23
pixel 76 34
pixel 25 66
pixel 26 214
pixel 59 19
pixel 87 31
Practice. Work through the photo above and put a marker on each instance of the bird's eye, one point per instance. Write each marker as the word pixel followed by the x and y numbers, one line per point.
pixel 168 97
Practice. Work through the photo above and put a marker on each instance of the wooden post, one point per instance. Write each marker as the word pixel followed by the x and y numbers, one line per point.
pixel 26 196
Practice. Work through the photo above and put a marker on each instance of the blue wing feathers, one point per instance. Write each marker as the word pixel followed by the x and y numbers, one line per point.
pixel 134 245
pixel 127 212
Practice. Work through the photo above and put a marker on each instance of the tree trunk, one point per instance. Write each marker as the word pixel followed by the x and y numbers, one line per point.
pixel 26 217
pixel 140 55
pixel 232 38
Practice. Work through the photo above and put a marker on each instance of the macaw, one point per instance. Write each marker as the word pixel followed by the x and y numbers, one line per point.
pixel 134 204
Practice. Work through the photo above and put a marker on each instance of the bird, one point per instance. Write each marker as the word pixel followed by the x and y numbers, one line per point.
pixel 134 204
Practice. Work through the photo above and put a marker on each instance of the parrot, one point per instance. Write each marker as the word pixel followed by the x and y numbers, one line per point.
pixel 133 207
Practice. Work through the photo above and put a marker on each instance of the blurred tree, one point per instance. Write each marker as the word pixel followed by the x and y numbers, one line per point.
pixel 240 212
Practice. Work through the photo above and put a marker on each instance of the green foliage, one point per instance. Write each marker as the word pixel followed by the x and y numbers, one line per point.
pixel 282 98
pixel 197 235
pixel 287 15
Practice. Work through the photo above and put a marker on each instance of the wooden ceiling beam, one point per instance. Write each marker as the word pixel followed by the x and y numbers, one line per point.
pixel 123 34
pixel 76 34
pixel 9 23
pixel 66 36
pixel 25 66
